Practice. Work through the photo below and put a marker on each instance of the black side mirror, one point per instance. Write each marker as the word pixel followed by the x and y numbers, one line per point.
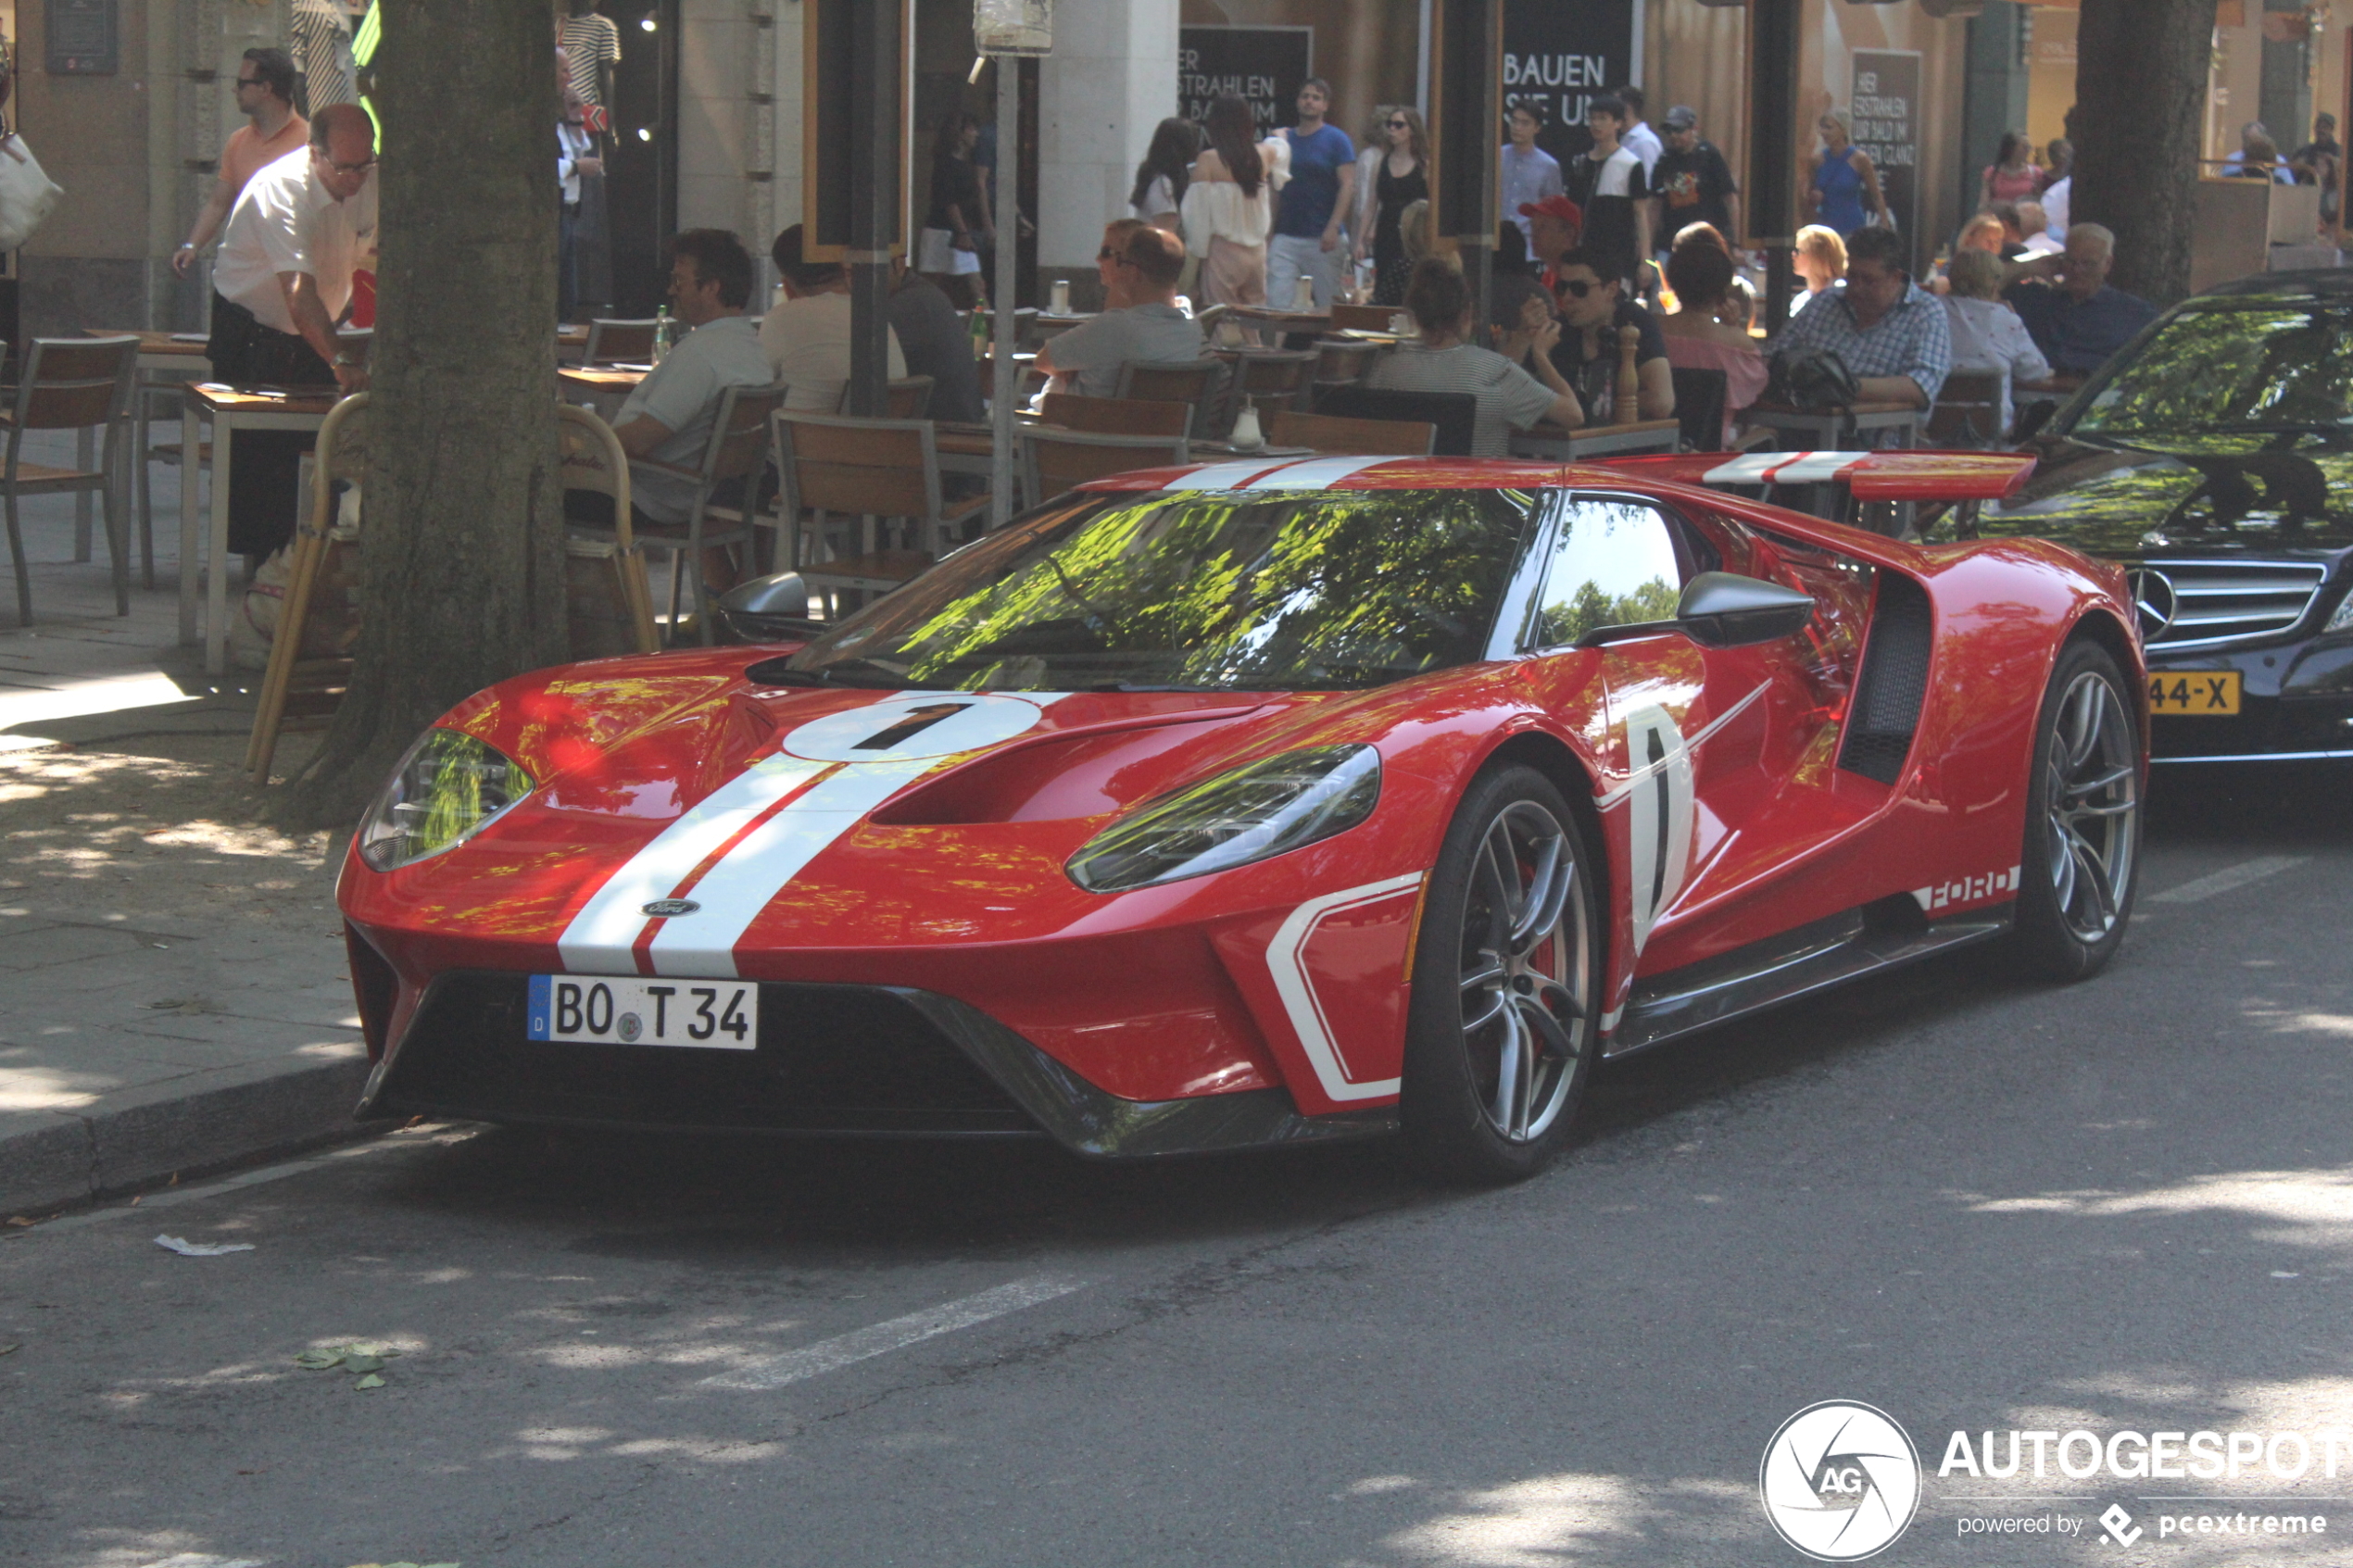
pixel 2031 417
pixel 1721 610
pixel 768 609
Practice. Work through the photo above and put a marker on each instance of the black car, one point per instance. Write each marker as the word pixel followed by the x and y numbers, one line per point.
pixel 2213 456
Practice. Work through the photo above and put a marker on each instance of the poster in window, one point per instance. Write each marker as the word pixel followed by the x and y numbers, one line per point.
pixel 1560 55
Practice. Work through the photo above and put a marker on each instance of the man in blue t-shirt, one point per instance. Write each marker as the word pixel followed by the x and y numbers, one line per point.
pixel 1306 241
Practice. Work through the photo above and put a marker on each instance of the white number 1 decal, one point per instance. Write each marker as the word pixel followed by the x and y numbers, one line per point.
pixel 1659 811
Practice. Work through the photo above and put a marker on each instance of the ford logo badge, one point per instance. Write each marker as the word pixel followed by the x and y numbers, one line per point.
pixel 663 907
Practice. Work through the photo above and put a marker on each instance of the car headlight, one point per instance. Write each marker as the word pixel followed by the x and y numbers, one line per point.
pixel 446 790
pixel 2343 619
pixel 1266 808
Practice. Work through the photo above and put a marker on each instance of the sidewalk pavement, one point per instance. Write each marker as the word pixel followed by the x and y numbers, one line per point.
pixel 174 994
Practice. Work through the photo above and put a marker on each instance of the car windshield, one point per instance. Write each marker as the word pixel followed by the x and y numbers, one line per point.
pixel 1196 591
pixel 2234 370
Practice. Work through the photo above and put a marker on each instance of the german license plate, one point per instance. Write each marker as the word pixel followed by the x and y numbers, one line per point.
pixel 2198 694
pixel 707 1014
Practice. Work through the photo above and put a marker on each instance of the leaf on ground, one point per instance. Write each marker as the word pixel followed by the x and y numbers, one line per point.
pixel 187 1248
pixel 9 1350
pixel 370 1381
pixel 319 1361
pixel 359 1360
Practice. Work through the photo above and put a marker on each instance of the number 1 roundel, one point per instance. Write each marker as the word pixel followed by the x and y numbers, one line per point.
pixel 912 725
pixel 1660 806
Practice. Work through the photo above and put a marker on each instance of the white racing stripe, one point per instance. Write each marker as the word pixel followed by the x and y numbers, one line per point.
pixel 1228 476
pixel 1753 469
pixel 843 1349
pixel 1817 467
pixel 1320 474
pixel 2228 879
pixel 1298 991
pixel 600 936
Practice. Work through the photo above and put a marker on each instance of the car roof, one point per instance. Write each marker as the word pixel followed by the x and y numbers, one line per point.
pixel 1896 475
pixel 2305 284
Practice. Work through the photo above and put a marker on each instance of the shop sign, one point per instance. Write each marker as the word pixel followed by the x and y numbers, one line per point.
pixel 1561 55
pixel 83 38
pixel 1886 106
pixel 1264 64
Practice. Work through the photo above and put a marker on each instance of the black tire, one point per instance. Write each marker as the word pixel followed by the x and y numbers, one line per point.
pixel 2081 866
pixel 1542 990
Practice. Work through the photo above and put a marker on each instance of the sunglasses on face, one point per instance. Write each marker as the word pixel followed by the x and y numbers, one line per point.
pixel 1579 287
pixel 248 82
pixel 1399 125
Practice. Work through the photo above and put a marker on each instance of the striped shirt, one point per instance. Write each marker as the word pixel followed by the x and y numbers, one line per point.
pixel 589 42
pixel 1509 398
pixel 1912 340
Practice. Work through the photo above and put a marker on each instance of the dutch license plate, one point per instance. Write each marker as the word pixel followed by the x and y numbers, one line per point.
pixel 708 1014
pixel 2198 694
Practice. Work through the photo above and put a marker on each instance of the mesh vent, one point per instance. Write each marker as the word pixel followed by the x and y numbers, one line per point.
pixel 1895 682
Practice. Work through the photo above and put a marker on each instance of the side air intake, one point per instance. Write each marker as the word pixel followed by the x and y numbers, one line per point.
pixel 1886 709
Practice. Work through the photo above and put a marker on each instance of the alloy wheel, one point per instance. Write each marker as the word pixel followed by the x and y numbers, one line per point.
pixel 2093 799
pixel 1525 985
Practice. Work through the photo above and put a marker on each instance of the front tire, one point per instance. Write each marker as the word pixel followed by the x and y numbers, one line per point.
pixel 2080 865
pixel 1503 1030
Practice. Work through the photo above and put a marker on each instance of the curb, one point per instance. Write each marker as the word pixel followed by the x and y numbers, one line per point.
pixel 147 1136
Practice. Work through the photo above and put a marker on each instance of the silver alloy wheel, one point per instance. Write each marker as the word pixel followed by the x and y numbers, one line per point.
pixel 1526 986
pixel 2092 801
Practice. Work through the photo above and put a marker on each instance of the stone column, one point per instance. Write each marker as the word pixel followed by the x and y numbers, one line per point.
pixel 1111 79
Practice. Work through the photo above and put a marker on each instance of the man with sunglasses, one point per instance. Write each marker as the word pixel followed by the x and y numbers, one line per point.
pixel 1139 324
pixel 281 284
pixel 1594 309
pixel 265 95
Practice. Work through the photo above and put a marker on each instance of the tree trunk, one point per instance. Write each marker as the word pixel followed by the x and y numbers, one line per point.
pixel 462 566
pixel 2140 102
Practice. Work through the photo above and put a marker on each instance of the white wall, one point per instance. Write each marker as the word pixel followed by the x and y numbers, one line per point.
pixel 1111 79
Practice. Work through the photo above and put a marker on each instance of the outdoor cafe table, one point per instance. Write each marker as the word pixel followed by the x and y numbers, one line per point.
pixel 166 362
pixel 1836 429
pixel 1550 441
pixel 228 410
pixel 605 389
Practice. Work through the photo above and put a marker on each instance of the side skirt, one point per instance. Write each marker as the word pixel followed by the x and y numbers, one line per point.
pixel 1796 963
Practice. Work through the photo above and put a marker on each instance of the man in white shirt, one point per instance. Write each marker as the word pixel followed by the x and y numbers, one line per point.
pixel 667 421
pixel 1139 324
pixel 280 282
pixel 805 334
pixel 1638 137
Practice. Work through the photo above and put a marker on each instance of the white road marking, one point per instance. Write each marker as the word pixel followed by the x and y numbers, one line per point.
pixel 832 1355
pixel 2229 878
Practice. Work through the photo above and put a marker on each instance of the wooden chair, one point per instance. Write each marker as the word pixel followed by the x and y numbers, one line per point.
pixel 1700 391
pixel 293 687
pixel 82 384
pixel 1364 318
pixel 1455 413
pixel 1115 416
pixel 737 453
pixel 590 459
pixel 872 471
pixel 1273 378
pixel 1343 361
pixel 1055 460
pixel 1200 383
pixel 1338 437
pixel 618 342
pixel 1967 411
pixel 909 397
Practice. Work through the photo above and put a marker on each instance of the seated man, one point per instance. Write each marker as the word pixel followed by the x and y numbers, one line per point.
pixel 1592 309
pixel 1444 360
pixel 667 418
pixel 805 334
pixel 2079 322
pixel 1141 324
pixel 1890 331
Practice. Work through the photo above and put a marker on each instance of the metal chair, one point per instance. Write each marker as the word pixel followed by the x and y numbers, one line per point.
pixel 618 342
pixel 1699 407
pixel 80 384
pixel 909 397
pixel 1055 460
pixel 1343 361
pixel 1334 437
pixel 1282 377
pixel 1967 411
pixel 1115 416
pixel 870 471
pixel 1200 383
pixel 737 452
pixel 1455 413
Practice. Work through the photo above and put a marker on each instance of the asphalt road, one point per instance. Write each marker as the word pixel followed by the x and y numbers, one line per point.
pixel 1972 1203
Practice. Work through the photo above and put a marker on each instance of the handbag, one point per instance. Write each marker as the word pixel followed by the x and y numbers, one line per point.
pixel 27 195
pixel 1813 382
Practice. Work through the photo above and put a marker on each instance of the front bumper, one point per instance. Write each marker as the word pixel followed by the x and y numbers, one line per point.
pixel 831 1060
pixel 2296 705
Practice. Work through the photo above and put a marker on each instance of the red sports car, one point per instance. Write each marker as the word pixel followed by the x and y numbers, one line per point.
pixel 1261 802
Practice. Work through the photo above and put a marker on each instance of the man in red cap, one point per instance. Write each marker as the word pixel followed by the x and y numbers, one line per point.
pixel 1554 225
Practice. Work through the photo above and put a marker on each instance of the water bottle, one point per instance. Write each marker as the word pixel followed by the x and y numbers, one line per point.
pixel 662 334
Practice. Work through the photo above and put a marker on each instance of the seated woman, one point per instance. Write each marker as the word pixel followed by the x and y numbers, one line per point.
pixel 1445 360
pixel 1820 260
pixel 1987 335
pixel 1700 276
pixel 1739 308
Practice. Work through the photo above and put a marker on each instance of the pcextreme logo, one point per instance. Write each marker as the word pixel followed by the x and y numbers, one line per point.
pixel 1840 1481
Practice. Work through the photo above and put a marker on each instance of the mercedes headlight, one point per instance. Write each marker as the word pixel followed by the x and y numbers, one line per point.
pixel 2343 619
pixel 1266 808
pixel 447 788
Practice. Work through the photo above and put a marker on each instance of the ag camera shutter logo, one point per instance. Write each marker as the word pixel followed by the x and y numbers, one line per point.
pixel 1840 1481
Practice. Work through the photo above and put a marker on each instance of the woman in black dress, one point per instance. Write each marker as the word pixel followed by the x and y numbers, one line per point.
pixel 1404 179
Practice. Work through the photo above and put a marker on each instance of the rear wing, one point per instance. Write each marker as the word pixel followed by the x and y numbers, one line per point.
pixel 1870 477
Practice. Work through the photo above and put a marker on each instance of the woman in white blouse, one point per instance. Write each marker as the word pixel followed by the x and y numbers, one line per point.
pixel 1229 205
pixel 1987 335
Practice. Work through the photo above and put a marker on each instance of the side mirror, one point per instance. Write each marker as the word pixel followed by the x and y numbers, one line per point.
pixel 768 609
pixel 2031 417
pixel 1721 610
